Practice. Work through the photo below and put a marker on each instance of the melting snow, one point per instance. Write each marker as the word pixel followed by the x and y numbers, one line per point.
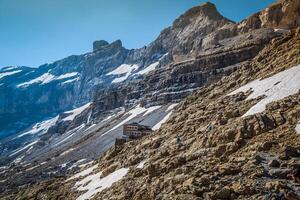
pixel 171 107
pixel 276 87
pixel 9 68
pixel 83 173
pixel 141 164
pixel 40 127
pixel 298 128
pixel 75 112
pixel 47 78
pixel 68 75
pixel 71 134
pixel 67 151
pixel 9 73
pixel 158 125
pixel 149 68
pixel 70 81
pixel 123 69
pixel 151 109
pixel 23 148
pixel 170 110
pixel 18 160
pixel 44 79
pixel 94 184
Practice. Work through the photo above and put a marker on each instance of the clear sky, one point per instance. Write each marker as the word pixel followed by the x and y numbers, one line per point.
pixel 34 32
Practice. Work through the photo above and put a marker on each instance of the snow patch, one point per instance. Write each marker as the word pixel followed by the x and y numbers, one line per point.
pixel 67 75
pixel 4 74
pixel 123 69
pixel 165 119
pixel 41 127
pixel 274 88
pixel 93 184
pixel 151 109
pixel 298 128
pixel 171 107
pixel 149 68
pixel 70 81
pixel 23 148
pixel 47 78
pixel 75 112
pixel 70 134
pixel 141 164
pixel 158 125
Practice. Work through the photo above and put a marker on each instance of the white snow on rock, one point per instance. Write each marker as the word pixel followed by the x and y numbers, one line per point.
pixel 93 184
pixel 67 151
pixel 165 119
pixel 4 74
pixel 274 88
pixel 47 78
pixel 171 107
pixel 44 79
pixel 151 109
pixel 41 127
pixel 138 110
pixel 75 112
pixel 9 68
pixel 23 148
pixel 67 75
pixel 298 128
pixel 141 164
pixel 70 81
pixel 158 125
pixel 121 79
pixel 123 69
pixel 149 68
pixel 70 134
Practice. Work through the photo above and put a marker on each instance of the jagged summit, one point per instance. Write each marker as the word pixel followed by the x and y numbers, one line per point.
pixel 102 44
pixel 206 10
pixel 99 44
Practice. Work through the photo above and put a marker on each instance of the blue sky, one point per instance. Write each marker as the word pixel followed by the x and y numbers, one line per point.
pixel 33 32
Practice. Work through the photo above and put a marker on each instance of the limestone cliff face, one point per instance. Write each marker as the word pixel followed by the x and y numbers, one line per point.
pixel 200 47
pixel 281 15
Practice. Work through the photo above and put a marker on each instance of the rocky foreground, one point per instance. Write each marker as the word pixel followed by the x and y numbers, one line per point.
pixel 210 148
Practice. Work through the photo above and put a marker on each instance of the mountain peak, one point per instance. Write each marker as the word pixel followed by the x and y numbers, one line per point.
pixel 101 44
pixel 205 10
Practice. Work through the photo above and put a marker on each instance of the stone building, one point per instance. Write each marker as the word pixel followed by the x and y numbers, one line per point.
pixel 135 130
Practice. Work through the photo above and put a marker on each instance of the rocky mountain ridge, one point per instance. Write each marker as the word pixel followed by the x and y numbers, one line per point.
pixel 224 154
pixel 144 85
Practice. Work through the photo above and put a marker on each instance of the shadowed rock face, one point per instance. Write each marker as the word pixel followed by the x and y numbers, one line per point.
pixel 97 45
pixel 55 87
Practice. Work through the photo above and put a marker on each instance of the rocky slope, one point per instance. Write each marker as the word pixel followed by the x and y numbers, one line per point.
pixel 225 154
pixel 111 76
pixel 142 85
